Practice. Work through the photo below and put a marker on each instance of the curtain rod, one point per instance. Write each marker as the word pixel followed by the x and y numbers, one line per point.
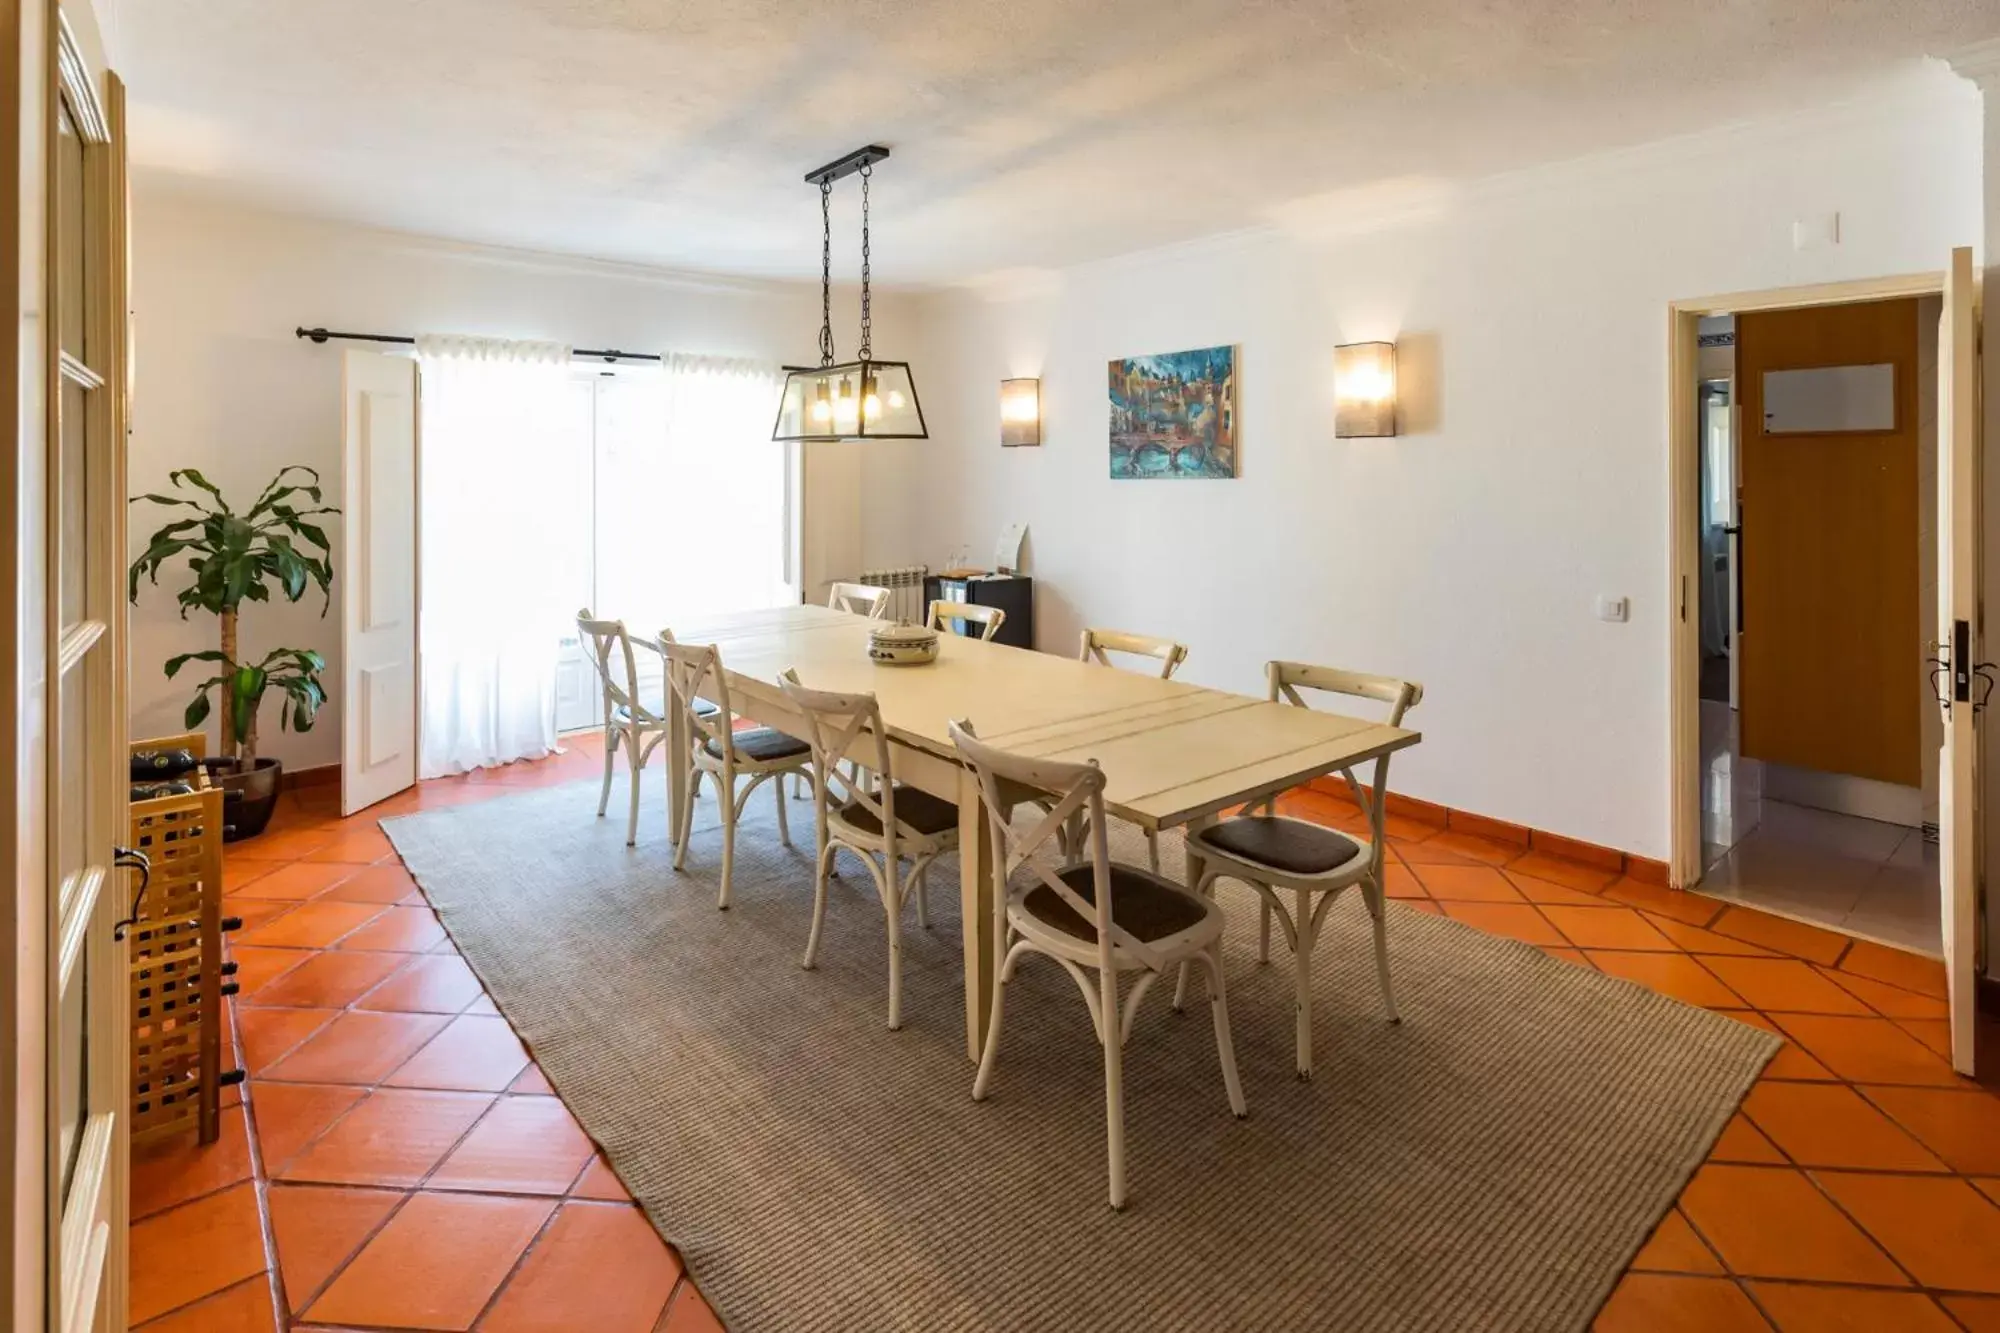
pixel 321 335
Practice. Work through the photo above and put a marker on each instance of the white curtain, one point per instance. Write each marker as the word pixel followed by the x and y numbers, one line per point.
pixel 494 594
pixel 693 519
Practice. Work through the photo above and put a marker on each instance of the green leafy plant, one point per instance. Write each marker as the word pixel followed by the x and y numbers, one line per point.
pixel 237 558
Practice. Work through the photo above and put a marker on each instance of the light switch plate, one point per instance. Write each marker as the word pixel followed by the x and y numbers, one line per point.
pixel 1613 609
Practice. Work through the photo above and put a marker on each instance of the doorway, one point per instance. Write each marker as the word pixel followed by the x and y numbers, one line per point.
pixel 1818 570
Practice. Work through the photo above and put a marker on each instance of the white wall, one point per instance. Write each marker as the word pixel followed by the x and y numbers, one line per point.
pixel 223 386
pixel 1465 554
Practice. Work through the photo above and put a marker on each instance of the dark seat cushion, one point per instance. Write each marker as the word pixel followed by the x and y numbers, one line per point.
pixel 1143 905
pixel 915 809
pixel 1291 845
pixel 763 745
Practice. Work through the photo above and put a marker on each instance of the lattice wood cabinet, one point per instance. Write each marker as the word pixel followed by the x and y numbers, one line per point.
pixel 177 975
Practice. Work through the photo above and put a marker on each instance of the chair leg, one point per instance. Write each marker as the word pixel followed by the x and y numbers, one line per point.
pixel 826 854
pixel 983 1080
pixel 1114 1087
pixel 1263 929
pixel 610 750
pixel 1302 948
pixel 784 826
pixel 1153 851
pixel 632 821
pixel 1378 910
pixel 725 790
pixel 923 885
pixel 1225 1047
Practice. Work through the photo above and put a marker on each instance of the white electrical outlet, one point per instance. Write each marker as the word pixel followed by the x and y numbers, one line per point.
pixel 1613 609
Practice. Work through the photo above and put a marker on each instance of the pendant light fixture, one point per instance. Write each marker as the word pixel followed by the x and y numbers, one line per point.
pixel 863 399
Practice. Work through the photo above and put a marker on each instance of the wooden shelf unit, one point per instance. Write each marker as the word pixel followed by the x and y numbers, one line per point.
pixel 176 969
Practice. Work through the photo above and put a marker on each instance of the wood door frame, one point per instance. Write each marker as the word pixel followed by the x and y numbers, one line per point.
pixel 1683 592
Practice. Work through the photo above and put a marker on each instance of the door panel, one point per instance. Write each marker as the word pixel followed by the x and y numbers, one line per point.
pixel 379 632
pixel 1830 654
pixel 1958 627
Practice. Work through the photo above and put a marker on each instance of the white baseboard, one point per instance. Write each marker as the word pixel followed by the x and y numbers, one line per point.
pixel 1845 794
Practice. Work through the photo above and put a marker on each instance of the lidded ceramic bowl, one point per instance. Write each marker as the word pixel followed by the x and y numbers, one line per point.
pixel 903 645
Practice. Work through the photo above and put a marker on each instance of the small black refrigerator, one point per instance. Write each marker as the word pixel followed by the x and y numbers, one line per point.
pixel 1013 594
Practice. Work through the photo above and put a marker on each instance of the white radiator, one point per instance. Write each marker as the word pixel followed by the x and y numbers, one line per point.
pixel 906 590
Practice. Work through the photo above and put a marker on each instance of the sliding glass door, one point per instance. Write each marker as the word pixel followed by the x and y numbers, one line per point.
pixel 690 512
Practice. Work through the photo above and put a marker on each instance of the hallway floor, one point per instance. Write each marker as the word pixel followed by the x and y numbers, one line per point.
pixel 1860 876
pixel 397 1161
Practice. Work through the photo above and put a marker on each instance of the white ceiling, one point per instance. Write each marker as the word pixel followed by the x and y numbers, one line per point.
pixel 1026 132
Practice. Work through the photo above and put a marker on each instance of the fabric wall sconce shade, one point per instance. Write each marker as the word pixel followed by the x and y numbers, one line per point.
pixel 1364 390
pixel 1020 412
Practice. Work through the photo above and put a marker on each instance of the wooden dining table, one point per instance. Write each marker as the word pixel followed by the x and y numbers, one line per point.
pixel 1173 754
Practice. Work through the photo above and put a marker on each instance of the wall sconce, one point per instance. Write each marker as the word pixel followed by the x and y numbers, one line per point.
pixel 1020 412
pixel 1364 390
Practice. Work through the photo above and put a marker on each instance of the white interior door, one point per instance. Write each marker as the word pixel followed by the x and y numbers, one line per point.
pixel 378 732
pixel 1958 628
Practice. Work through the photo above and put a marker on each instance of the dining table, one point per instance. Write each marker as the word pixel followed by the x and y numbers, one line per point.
pixel 1174 754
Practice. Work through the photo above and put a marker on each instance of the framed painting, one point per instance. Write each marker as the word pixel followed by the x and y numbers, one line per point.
pixel 1174 415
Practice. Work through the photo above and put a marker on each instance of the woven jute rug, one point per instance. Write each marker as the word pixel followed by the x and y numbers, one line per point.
pixel 1493 1162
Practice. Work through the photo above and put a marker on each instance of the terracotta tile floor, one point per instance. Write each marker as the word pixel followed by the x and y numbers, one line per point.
pixel 397 1161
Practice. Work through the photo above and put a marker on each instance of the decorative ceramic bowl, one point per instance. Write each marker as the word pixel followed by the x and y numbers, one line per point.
pixel 903 645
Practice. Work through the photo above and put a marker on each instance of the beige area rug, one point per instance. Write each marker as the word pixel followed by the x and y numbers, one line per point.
pixel 1492 1163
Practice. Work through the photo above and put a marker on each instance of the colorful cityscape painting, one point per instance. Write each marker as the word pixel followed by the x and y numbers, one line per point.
pixel 1174 415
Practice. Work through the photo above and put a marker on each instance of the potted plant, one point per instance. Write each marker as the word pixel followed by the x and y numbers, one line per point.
pixel 237 558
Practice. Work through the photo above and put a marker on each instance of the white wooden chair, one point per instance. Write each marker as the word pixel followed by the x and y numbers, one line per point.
pixel 628 723
pixel 945 618
pixel 1275 854
pixel 1091 914
pixel 1097 646
pixel 882 823
pixel 861 599
pixel 715 747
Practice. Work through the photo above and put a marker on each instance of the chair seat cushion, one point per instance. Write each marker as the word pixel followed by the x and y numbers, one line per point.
pixel 762 745
pixel 1144 905
pixel 917 810
pixel 1291 845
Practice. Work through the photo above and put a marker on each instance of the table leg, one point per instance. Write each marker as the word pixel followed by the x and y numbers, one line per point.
pixel 1195 868
pixel 677 744
pixel 979 911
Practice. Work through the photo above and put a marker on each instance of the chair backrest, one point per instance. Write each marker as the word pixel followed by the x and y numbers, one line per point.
pixel 1077 788
pixel 834 723
pixel 1287 678
pixel 945 614
pixel 611 654
pixel 862 599
pixel 1097 642
pixel 694 671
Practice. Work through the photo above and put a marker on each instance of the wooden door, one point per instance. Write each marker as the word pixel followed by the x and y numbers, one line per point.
pixel 1958 627
pixel 378 733
pixel 1831 658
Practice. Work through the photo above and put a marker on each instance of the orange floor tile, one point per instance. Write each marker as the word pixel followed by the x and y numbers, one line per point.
pixel 397 1160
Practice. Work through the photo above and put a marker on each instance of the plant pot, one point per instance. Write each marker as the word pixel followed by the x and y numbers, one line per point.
pixel 249 796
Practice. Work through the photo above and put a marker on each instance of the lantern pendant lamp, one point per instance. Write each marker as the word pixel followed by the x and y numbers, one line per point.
pixel 863 399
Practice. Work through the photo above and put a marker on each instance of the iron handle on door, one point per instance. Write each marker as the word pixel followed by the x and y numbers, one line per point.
pixel 124 858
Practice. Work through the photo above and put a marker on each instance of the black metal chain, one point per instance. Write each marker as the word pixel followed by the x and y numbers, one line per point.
pixel 866 330
pixel 826 273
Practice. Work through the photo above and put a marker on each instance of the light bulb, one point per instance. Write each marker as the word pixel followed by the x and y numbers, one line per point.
pixel 822 410
pixel 872 406
pixel 895 400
